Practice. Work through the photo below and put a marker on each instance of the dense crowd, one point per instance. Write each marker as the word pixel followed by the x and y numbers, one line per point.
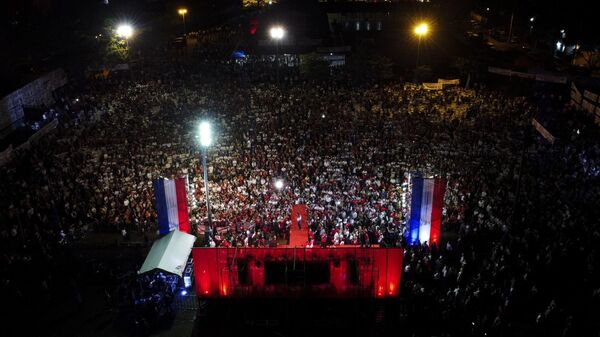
pixel 520 244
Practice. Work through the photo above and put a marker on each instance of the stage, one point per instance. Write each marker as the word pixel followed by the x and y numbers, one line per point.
pixel 341 272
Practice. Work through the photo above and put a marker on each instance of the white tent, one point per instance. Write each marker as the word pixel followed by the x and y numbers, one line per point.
pixel 169 253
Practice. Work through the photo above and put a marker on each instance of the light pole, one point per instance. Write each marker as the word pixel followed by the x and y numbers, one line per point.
pixel 125 31
pixel 277 33
pixel 183 12
pixel 421 31
pixel 205 141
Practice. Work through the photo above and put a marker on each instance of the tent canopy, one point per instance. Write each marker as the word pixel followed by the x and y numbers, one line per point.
pixel 169 253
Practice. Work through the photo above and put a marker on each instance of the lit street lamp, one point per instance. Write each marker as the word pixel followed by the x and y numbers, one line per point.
pixel 125 31
pixel 421 30
pixel 277 33
pixel 183 12
pixel 205 134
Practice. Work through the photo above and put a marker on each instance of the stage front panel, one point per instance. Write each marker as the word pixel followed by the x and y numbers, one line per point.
pixel 293 272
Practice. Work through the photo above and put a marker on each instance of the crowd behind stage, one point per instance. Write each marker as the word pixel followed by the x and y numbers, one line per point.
pixel 521 250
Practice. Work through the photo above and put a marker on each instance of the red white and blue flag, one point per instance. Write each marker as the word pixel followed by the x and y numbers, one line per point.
pixel 171 205
pixel 426 209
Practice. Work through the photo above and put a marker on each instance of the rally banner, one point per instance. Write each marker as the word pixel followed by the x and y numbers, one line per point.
pixel 551 78
pixel 455 81
pixel 590 96
pixel 576 96
pixel 530 76
pixel 574 87
pixel 48 128
pixel 588 106
pixel 120 66
pixel 171 205
pixel 426 210
pixel 543 131
pixel 433 86
pixel 499 71
pixel 522 75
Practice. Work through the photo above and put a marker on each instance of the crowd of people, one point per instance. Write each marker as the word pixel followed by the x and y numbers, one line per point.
pixel 519 250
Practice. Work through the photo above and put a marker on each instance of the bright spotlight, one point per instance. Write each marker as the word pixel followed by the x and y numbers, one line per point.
pixel 183 292
pixel 422 29
pixel 277 32
pixel 205 134
pixel 182 11
pixel 278 184
pixel 125 31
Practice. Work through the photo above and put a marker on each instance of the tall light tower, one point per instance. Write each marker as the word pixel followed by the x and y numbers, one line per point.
pixel 183 12
pixel 125 31
pixel 205 134
pixel 421 30
pixel 277 33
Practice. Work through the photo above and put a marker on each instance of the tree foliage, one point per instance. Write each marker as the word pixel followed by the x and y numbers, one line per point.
pixel 116 49
pixel 366 64
pixel 423 73
pixel 314 66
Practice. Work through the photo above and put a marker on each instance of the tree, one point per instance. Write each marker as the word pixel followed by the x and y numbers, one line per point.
pixel 381 67
pixel 423 73
pixel 313 66
pixel 366 64
pixel 466 66
pixel 116 49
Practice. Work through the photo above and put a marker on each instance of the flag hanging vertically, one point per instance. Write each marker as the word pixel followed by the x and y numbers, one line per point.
pixel 426 209
pixel 171 205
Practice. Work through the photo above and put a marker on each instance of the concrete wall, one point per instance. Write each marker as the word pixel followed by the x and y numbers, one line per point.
pixel 37 92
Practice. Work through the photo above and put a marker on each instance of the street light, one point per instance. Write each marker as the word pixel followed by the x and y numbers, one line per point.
pixel 277 33
pixel 421 30
pixel 183 12
pixel 125 31
pixel 205 134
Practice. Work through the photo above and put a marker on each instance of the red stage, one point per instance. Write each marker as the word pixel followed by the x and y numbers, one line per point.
pixel 294 272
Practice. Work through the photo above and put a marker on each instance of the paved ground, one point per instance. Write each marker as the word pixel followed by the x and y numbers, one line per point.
pixel 95 319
